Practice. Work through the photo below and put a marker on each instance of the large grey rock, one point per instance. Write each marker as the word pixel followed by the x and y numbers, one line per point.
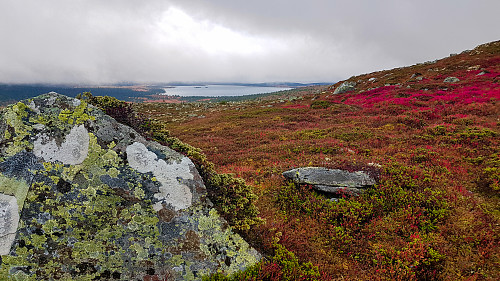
pixel 345 87
pixel 331 180
pixel 83 197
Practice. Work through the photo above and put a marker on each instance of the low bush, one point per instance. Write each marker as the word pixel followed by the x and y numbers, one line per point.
pixel 283 266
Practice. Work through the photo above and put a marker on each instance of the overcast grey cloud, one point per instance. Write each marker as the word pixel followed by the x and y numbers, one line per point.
pixel 99 42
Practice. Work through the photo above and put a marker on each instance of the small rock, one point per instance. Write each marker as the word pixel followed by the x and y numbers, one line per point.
pixel 416 75
pixel 474 67
pixel 374 165
pixel 451 80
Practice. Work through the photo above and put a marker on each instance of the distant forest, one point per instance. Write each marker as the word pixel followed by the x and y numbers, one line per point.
pixel 12 93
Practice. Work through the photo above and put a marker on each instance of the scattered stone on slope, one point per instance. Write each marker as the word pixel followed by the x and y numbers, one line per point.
pixel 415 75
pixel 334 181
pixel 83 197
pixel 345 87
pixel 451 80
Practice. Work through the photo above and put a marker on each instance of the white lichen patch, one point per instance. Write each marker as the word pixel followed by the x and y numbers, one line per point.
pixel 172 191
pixel 9 220
pixel 72 151
pixel 33 107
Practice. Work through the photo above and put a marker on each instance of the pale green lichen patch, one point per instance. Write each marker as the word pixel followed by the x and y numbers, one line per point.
pixel 214 235
pixel 17 188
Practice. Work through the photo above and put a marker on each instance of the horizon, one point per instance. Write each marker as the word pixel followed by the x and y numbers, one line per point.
pixel 176 83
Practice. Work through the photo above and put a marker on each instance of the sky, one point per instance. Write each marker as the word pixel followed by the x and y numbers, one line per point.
pixel 151 41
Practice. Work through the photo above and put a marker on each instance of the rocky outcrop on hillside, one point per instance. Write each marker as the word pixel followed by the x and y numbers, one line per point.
pixel 345 87
pixel 334 181
pixel 83 197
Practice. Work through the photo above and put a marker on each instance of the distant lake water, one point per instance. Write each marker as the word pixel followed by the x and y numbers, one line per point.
pixel 219 90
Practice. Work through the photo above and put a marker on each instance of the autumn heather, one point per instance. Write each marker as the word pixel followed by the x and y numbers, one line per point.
pixel 433 145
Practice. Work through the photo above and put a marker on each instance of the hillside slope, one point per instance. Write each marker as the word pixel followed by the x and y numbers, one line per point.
pixel 430 132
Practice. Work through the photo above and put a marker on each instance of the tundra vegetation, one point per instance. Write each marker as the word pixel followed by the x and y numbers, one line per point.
pixel 432 144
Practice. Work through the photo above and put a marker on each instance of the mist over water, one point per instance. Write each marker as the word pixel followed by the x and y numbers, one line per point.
pixel 219 90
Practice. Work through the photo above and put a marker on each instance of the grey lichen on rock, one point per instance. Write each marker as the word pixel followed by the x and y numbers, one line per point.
pixel 172 191
pixel 451 80
pixel 72 151
pixel 9 219
pixel 345 87
pixel 95 200
pixel 331 180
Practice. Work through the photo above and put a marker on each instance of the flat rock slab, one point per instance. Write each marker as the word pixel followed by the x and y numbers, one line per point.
pixel 331 180
pixel 83 197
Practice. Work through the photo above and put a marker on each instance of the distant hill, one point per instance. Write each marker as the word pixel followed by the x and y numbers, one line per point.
pixel 127 92
pixel 15 92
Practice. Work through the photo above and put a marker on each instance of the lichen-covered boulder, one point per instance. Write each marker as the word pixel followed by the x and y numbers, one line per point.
pixel 345 87
pixel 83 197
pixel 333 181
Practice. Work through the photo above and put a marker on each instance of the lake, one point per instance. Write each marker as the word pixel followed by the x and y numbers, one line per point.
pixel 219 90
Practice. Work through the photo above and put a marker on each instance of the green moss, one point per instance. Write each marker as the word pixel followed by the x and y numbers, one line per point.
pixel 291 268
pixel 312 134
pixel 284 265
pixel 235 200
pixel 318 104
